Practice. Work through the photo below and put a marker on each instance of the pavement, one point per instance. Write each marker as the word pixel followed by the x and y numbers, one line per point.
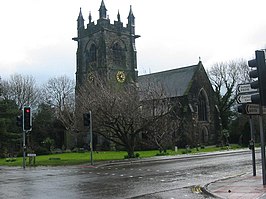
pixel 244 186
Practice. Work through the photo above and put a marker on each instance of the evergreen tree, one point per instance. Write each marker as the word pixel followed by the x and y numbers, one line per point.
pixel 10 134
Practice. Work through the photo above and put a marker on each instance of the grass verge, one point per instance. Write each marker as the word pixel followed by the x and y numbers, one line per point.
pixel 64 159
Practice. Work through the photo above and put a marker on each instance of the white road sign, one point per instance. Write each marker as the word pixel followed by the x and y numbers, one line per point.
pixel 242 99
pixel 245 88
pixel 254 109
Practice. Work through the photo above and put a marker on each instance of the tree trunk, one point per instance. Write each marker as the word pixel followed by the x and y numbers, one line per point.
pixel 130 153
pixel 130 146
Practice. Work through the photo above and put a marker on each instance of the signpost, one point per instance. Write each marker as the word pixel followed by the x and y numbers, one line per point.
pixel 254 109
pixel 259 98
pixel 243 99
pixel 252 145
pixel 245 88
pixel 244 93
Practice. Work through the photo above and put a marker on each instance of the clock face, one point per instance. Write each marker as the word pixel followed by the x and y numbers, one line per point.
pixel 90 77
pixel 120 76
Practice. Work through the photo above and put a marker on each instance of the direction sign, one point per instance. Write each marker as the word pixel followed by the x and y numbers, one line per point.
pixel 242 99
pixel 245 88
pixel 254 109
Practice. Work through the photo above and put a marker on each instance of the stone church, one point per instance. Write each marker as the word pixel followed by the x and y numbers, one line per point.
pixel 108 50
pixel 191 86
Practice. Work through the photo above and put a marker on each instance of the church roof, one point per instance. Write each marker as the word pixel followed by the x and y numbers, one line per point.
pixel 174 83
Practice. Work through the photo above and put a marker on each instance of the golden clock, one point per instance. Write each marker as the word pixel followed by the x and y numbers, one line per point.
pixel 120 76
pixel 90 77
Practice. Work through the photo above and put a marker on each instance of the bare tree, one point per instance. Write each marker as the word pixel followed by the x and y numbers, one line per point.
pixel 119 112
pixel 163 112
pixel 21 89
pixel 225 77
pixel 59 93
pixel 164 132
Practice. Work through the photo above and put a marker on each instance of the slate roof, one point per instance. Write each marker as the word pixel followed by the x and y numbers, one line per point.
pixel 174 82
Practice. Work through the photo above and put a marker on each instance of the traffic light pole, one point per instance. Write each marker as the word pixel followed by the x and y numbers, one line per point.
pixel 24 149
pixel 260 97
pixel 26 127
pixel 87 119
pixel 91 137
pixel 252 138
pixel 262 147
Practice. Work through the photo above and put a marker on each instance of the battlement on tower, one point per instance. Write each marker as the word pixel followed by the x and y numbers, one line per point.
pixel 103 24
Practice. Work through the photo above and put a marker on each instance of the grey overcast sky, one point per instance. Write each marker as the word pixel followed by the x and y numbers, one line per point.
pixel 36 34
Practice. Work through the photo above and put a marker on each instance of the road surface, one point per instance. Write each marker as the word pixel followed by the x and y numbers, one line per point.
pixel 176 178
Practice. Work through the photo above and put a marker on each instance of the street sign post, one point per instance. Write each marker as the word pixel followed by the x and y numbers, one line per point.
pixel 252 143
pixel 252 109
pixel 244 93
pixel 245 88
pixel 243 99
pixel 259 98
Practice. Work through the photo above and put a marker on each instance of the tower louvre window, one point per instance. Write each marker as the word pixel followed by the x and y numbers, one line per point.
pixel 91 54
pixel 119 55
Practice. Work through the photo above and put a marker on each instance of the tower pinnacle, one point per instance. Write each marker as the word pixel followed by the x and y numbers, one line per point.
pixel 90 18
pixel 131 18
pixel 80 20
pixel 131 21
pixel 118 16
pixel 102 11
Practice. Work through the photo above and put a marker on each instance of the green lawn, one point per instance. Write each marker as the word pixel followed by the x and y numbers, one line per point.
pixel 81 158
pixel 67 158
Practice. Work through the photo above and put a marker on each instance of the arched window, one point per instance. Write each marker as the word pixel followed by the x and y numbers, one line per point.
pixel 202 106
pixel 119 55
pixel 91 55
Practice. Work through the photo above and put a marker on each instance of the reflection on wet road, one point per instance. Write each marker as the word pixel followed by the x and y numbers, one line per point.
pixel 168 179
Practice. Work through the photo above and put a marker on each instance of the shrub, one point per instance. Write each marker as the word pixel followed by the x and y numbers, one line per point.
pixel 136 155
pixel 162 154
pixel 186 151
pixel 78 150
pixel 57 151
pixel 42 151
pixel 68 151
pixel 11 159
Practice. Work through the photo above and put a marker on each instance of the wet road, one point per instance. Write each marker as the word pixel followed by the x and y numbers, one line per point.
pixel 177 178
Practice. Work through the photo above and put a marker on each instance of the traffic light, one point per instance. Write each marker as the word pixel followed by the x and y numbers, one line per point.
pixel 260 73
pixel 19 121
pixel 87 119
pixel 27 119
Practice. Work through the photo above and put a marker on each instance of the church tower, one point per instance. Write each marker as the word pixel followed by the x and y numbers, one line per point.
pixel 106 50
